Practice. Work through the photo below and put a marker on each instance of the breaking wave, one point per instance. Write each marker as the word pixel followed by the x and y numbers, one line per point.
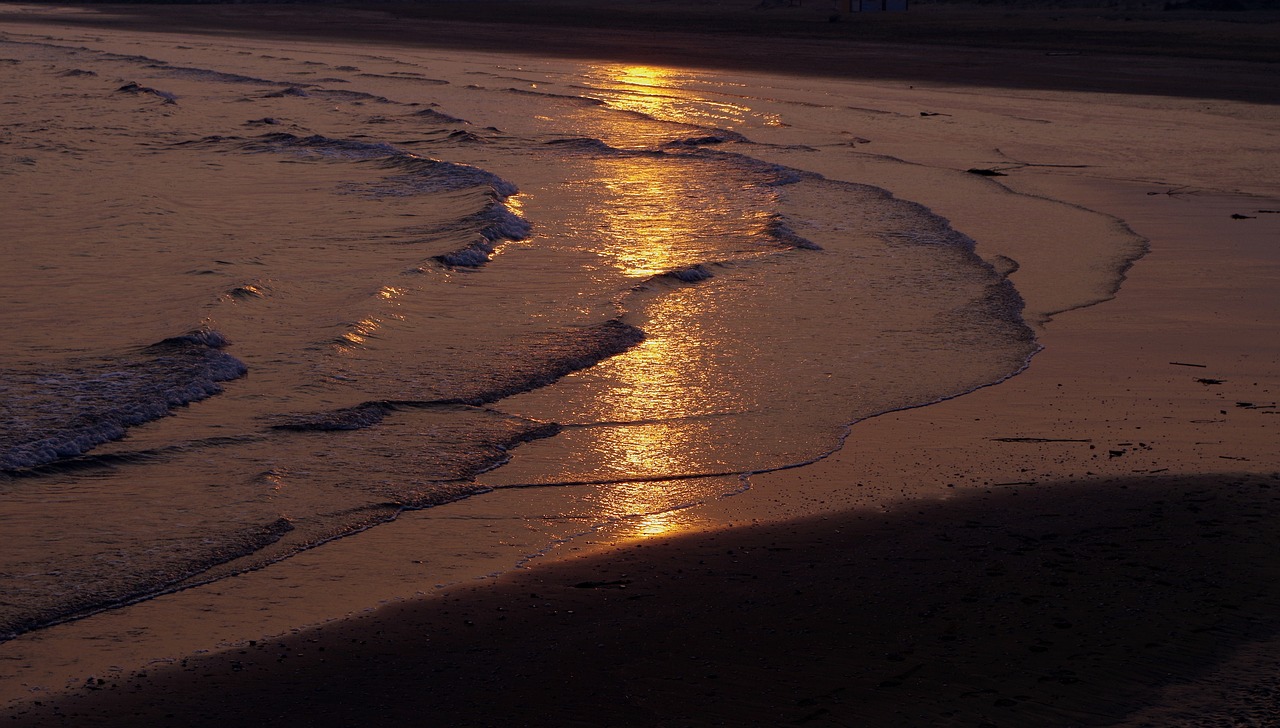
pixel 51 415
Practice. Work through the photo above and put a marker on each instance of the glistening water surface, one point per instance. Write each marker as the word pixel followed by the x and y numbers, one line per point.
pixel 255 303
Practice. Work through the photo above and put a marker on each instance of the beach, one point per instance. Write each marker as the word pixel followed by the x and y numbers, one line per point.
pixel 735 488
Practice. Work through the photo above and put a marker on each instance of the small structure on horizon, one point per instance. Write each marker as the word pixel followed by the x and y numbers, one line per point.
pixel 875 6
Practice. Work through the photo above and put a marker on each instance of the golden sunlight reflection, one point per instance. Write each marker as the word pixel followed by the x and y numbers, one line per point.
pixel 649 215
pixel 650 222
pixel 515 203
pixel 658 409
pixel 659 398
pixel 659 215
pixel 358 334
pixel 654 214
pixel 667 94
pixel 647 523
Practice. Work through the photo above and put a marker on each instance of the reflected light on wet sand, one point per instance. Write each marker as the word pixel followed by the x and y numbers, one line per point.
pixel 658 397
pixel 659 213
pixel 654 432
pixel 653 216
pixel 652 524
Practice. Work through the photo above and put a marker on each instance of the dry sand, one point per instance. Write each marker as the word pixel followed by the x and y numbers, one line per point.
pixel 1107 558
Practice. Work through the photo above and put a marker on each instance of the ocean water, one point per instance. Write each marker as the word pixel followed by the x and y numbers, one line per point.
pixel 256 302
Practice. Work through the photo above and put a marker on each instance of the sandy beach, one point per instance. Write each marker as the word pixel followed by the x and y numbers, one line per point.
pixel 1089 542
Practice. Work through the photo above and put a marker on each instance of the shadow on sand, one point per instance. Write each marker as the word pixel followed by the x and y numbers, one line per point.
pixel 1051 605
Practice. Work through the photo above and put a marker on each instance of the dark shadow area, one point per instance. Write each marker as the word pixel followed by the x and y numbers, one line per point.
pixel 1220 55
pixel 1050 605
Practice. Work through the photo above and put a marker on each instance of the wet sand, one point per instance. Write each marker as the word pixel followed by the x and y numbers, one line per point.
pixel 1139 592
pixel 1090 543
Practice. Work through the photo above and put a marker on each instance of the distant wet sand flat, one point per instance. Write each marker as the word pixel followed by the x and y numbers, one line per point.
pixel 1067 45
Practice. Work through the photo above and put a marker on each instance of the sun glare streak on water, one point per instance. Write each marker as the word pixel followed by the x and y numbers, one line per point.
pixel 667 94
pixel 358 335
pixel 644 215
pixel 662 214
pixel 655 390
pixel 659 389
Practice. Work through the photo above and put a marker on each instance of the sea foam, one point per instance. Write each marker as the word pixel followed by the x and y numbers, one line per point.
pixel 48 416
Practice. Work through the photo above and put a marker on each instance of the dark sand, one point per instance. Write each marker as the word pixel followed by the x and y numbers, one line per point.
pixel 1066 604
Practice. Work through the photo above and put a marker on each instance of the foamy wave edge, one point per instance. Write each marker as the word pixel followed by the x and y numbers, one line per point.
pixel 174 373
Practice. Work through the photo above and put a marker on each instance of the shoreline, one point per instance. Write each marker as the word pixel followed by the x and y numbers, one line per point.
pixel 1108 381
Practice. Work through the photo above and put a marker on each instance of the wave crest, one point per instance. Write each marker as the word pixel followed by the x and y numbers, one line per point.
pixel 50 416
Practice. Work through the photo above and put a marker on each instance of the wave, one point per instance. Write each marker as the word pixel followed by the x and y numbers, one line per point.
pixel 772 174
pixel 569 98
pixel 571 353
pixel 423 175
pixel 779 230
pixel 492 225
pixel 426 176
pixel 97 590
pixel 344 95
pixel 768 173
pixel 402 76
pixel 358 417
pixel 420 175
pixel 540 361
pixel 369 414
pixel 526 364
pixel 205 74
pixel 584 144
pixel 438 117
pixel 133 87
pixel 100 461
pixel 719 136
pixel 248 292
pixel 306 92
pixel 49 416
pixel 466 137
pixel 694 274
pixel 314 145
pixel 453 445
pixel 296 91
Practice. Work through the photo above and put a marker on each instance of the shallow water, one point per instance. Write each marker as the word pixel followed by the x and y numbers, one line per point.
pixel 255 303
